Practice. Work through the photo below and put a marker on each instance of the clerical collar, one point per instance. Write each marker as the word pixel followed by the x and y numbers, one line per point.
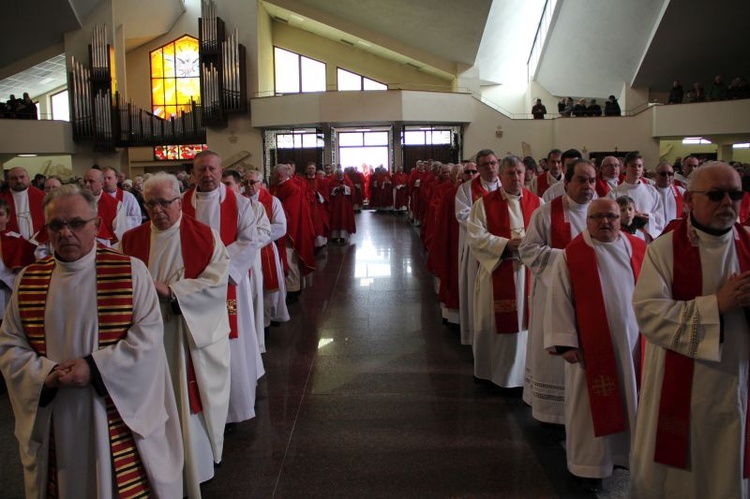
pixel 708 230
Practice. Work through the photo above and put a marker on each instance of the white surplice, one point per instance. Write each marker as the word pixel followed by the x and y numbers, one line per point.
pixel 589 456
pixel 256 281
pixel 647 200
pixel 252 233
pixel 274 302
pixel 467 264
pixel 202 331
pixel 497 357
pixel 129 214
pixel 534 185
pixel 720 380
pixel 669 203
pixel 134 372
pixel 544 383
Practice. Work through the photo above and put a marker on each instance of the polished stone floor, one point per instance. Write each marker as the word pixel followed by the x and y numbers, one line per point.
pixel 367 394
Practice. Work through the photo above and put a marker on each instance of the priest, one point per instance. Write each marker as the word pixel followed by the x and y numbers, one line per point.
pixel 691 303
pixel 552 227
pixel 81 349
pixel 497 224
pixel 189 266
pixel 591 323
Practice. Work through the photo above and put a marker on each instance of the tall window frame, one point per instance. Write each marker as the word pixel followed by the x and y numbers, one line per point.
pixel 295 73
pixel 175 85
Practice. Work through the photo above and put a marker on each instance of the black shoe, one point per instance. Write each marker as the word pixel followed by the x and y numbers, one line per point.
pixel 589 484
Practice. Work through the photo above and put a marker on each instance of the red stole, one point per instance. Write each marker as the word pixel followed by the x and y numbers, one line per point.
pixel 16 251
pixel 503 277
pixel 673 427
pixel 197 245
pixel 560 224
pixel 542 184
pixel 36 198
pixel 602 381
pixel 114 296
pixel 744 214
pixel 119 195
pixel 679 200
pixel 477 190
pixel 602 186
pixel 267 257
pixel 229 215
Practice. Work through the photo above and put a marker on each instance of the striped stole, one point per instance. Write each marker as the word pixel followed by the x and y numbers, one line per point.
pixel 114 296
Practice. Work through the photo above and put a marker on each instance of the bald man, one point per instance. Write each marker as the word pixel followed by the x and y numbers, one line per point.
pixel 26 215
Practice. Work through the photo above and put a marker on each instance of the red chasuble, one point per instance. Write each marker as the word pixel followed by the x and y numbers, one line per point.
pixel 197 247
pixel 503 277
pixel 267 257
pixel 744 215
pixel 299 228
pixel 602 381
pixel 673 426
pixel 36 197
pixel 229 214
pixel 16 251
pixel 602 186
pixel 445 243
pixel 342 210
pixel 107 208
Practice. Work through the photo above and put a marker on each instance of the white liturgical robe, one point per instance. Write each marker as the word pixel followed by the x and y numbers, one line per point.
pixel 497 357
pixel 467 264
pixel 129 214
pixel 721 353
pixel 669 203
pixel 253 233
pixel 544 383
pixel 590 456
pixel 134 371
pixel 202 332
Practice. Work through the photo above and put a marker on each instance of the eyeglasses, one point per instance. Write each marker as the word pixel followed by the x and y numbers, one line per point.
pixel 718 195
pixel 470 172
pixel 665 174
pixel 602 216
pixel 162 203
pixel 252 182
pixel 73 225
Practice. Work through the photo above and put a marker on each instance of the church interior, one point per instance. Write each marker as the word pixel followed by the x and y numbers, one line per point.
pixel 366 392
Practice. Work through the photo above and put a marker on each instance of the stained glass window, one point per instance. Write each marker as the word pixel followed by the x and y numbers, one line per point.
pixel 175 82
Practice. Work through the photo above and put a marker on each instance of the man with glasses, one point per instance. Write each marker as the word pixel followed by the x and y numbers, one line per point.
pixel 648 206
pixel 551 229
pixel 243 233
pixel 81 348
pixel 590 322
pixel 672 202
pixel 691 302
pixel 274 284
pixel 466 195
pixel 608 177
pixel 189 266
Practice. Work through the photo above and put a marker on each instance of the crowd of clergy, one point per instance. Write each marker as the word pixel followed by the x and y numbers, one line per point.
pixel 615 302
pixel 612 300
pixel 209 264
